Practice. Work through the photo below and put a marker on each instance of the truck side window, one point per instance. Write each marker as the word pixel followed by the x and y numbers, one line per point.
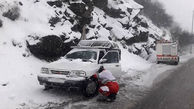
pixel 112 57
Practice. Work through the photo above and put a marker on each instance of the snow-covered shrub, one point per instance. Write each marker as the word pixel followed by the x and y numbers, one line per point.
pixel 13 13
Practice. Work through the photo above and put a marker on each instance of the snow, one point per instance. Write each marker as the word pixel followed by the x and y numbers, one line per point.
pixel 33 20
pixel 19 86
pixel 18 77
pixel 157 72
pixel 130 61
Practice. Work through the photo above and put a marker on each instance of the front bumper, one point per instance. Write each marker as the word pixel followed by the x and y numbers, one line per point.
pixel 60 82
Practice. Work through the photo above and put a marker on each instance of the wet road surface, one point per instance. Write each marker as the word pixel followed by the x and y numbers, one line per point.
pixel 174 92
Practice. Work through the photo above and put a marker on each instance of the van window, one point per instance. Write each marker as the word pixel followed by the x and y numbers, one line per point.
pixel 82 55
pixel 112 57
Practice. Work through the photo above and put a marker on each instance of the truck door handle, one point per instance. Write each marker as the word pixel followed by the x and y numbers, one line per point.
pixel 116 65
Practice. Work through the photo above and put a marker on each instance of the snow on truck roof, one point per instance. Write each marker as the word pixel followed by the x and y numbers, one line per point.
pixel 96 44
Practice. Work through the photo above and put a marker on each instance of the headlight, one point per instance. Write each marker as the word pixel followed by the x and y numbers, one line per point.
pixel 44 70
pixel 79 73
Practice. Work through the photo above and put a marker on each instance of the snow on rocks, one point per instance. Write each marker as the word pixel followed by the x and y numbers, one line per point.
pixel 53 17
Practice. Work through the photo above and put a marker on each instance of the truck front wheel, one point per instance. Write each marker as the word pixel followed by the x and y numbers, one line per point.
pixel 47 87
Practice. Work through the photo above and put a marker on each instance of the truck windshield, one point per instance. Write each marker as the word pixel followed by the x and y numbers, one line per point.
pixel 84 55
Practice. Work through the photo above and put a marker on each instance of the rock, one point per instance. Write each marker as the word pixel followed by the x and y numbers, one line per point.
pixel 137 19
pixel 15 43
pixel 54 20
pixel 13 13
pixel 126 26
pixel 76 28
pixel 1 23
pixel 20 3
pixel 144 24
pixel 142 37
pixel 102 4
pixel 78 8
pixel 36 1
pixel 57 3
pixel 5 84
pixel 115 13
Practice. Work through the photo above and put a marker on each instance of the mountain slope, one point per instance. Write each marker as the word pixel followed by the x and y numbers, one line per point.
pixel 113 20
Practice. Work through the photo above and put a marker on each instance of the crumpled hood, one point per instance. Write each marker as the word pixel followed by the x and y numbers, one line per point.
pixel 63 64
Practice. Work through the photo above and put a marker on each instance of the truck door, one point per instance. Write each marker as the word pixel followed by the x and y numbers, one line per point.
pixel 174 49
pixel 111 61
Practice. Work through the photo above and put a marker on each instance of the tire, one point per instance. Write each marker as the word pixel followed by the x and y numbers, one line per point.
pixel 90 88
pixel 47 87
pixel 176 63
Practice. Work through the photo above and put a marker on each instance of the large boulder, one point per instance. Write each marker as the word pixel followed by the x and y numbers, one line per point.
pixel 50 47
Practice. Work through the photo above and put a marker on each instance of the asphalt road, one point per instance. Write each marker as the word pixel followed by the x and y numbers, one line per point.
pixel 174 92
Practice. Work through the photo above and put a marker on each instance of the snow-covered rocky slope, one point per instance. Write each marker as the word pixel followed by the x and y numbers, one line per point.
pixel 31 30
pixel 38 24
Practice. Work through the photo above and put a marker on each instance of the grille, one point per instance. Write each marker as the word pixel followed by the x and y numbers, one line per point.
pixel 60 72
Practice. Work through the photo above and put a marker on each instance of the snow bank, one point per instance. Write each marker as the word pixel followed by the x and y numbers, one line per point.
pixel 133 62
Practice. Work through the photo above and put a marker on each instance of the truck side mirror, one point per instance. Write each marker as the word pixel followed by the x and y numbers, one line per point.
pixel 102 61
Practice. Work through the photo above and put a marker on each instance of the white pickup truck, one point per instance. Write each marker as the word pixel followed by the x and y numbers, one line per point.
pixel 167 52
pixel 80 63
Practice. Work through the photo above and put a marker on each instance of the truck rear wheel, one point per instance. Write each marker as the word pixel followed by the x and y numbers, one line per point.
pixel 176 63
